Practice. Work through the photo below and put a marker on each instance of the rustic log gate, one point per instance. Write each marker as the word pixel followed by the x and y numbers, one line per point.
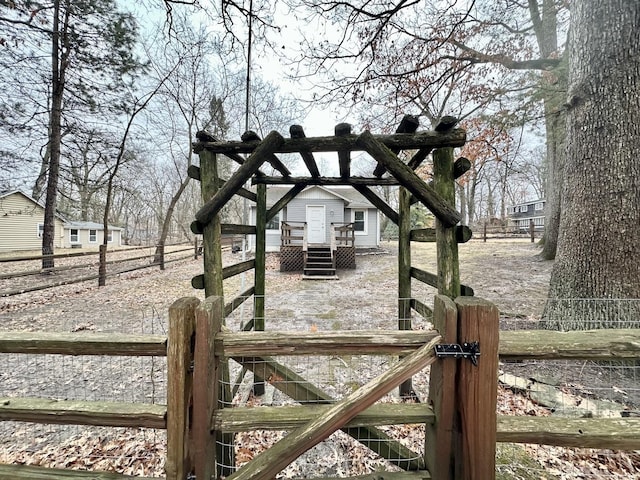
pixel 460 414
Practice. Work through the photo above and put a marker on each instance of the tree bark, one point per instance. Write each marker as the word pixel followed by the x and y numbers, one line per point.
pixel 552 87
pixel 594 282
pixel 59 62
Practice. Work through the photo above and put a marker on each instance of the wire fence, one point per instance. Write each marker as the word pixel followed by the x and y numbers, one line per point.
pixel 568 389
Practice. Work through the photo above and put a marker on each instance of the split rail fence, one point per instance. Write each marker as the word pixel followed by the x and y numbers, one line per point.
pixel 84 272
pixel 460 416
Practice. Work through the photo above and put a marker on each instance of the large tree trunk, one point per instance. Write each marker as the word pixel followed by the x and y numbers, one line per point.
pixel 552 86
pixel 594 282
pixel 59 61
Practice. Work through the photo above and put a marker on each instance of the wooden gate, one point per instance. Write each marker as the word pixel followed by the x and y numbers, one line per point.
pixel 460 415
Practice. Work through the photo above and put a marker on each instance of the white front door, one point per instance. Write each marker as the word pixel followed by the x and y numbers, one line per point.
pixel 315 224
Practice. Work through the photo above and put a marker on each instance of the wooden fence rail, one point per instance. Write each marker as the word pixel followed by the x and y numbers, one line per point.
pixel 166 256
pixel 196 343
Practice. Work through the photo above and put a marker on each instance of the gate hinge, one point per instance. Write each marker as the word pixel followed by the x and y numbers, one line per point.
pixel 470 350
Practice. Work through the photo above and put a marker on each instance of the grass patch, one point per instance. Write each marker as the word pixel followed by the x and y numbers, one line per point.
pixel 513 463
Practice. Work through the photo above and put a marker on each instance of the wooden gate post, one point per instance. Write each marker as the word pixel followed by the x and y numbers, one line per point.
pixel 209 317
pixel 477 390
pixel 404 272
pixel 179 384
pixel 439 441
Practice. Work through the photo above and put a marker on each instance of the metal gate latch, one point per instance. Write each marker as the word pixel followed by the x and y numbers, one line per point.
pixel 470 350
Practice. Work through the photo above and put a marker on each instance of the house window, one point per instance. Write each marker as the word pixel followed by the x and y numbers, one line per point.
pixel 359 218
pixel 74 237
pixel 539 206
pixel 93 236
pixel 110 236
pixel 40 230
pixel 274 223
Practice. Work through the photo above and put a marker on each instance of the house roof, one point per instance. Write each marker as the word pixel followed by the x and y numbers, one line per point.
pixel 351 197
pixel 89 226
pixel 30 198
pixel 67 223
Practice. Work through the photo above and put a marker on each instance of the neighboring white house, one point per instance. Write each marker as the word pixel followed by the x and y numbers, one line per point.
pixel 22 224
pixel 88 234
pixel 319 207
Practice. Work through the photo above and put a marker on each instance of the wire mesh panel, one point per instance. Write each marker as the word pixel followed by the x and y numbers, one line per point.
pixel 569 389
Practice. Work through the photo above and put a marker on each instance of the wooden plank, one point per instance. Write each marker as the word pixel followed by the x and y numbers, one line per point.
pixel 387 181
pixel 299 389
pixel 344 155
pixel 427 195
pixel 421 308
pixel 251 136
pixel 341 342
pixel 462 234
pixel 201 145
pixel 476 390
pixel 446 244
pixel 272 461
pixel 431 279
pixel 408 124
pixel 439 441
pixel 296 131
pixel 119 344
pixel 600 433
pixel 380 204
pixel 209 316
pixel 77 412
pixel 286 198
pixel 179 387
pixel 239 300
pixel 29 472
pixel 224 194
pixel 609 344
pixel 453 138
pixel 232 270
pixel 230 229
pixel 241 419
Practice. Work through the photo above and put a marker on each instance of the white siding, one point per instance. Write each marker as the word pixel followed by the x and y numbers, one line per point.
pixel 371 237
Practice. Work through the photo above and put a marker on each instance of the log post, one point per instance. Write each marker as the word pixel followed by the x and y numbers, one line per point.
pixel 476 390
pixel 404 272
pixel 260 274
pixel 209 317
pixel 439 440
pixel 102 266
pixel 213 272
pixel 446 243
pixel 179 384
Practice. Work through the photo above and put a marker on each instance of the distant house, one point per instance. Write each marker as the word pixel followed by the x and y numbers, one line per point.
pixel 320 207
pixel 521 215
pixel 22 224
pixel 87 234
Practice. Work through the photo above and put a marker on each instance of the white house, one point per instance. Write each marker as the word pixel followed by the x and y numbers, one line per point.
pixel 320 207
